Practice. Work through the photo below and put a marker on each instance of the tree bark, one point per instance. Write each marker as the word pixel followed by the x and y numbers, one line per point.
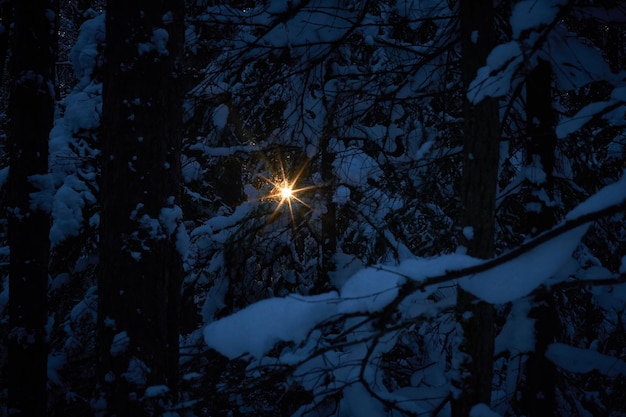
pixel 328 246
pixel 6 17
pixel 31 110
pixel 538 389
pixel 140 266
pixel 478 195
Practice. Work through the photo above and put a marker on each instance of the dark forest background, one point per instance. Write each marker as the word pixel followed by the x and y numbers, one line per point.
pixel 143 147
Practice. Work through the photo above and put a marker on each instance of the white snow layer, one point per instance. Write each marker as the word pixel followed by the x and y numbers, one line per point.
pixel 518 277
pixel 482 410
pixel 85 52
pixel 543 13
pixel 258 327
pixel 579 360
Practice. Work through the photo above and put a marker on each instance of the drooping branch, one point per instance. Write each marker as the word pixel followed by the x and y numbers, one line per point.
pixel 411 286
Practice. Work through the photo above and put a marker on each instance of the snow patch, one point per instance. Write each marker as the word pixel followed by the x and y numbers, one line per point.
pixel 137 372
pixel 220 116
pixel 156 391
pixel 369 290
pixel 4 174
pixel 119 344
pixel 578 360
pixel 258 327
pixel 158 43
pixel 518 277
pixel 468 232
pixel 482 410
pixel 531 14
pixel 84 55
pixel 342 195
pixel 474 36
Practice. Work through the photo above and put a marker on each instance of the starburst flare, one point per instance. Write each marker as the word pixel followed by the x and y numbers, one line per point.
pixel 286 192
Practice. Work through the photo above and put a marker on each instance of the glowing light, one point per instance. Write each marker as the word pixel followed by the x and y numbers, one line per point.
pixel 286 193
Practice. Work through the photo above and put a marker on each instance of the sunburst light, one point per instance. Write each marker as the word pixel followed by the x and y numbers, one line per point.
pixel 286 191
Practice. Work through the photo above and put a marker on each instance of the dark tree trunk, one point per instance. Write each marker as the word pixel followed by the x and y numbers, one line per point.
pixel 141 269
pixel 31 110
pixel 541 118
pixel 538 391
pixel 6 12
pixel 328 241
pixel 478 196
pixel 329 221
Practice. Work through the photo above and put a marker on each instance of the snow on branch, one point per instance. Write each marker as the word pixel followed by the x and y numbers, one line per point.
pixel 578 360
pixel 381 292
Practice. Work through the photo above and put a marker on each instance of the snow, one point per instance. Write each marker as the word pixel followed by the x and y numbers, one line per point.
pixel 156 391
pixel 190 376
pixel 353 166
pixel 518 277
pixel 159 39
pixel 220 116
pixel 255 329
pixel 583 116
pixel 191 169
pixel 474 36
pixel 578 360
pixel 67 209
pixel 4 298
pixel 495 78
pixel 72 178
pixel 360 403
pixel 342 195
pixel 541 13
pixel 369 290
pixel 119 344
pixel 83 110
pixel 85 52
pixel 42 198
pixel 575 63
pixel 576 122
pixel 168 18
pixel 258 327
pixel 610 195
pixel 86 307
pixel 482 410
pixel 56 362
pixel 4 174
pixel 171 221
pixel 518 333
pixel 137 372
pixel 158 43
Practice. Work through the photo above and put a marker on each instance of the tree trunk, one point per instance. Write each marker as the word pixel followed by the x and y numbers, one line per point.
pixel 328 229
pixel 6 17
pixel 140 264
pixel 478 196
pixel 538 391
pixel 31 109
